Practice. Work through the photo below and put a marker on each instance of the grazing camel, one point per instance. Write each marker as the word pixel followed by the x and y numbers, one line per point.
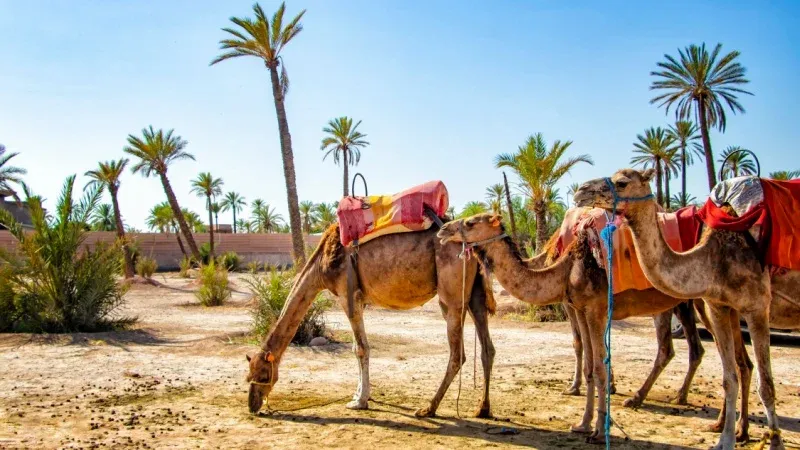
pixel 398 271
pixel 577 277
pixel 723 269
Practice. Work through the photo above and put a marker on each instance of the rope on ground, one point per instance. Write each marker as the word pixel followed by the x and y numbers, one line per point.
pixel 271 411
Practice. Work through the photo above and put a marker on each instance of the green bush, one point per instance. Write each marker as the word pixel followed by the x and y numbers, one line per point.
pixel 52 282
pixel 146 266
pixel 185 265
pixel 535 313
pixel 253 267
pixel 270 293
pixel 205 253
pixel 229 260
pixel 214 288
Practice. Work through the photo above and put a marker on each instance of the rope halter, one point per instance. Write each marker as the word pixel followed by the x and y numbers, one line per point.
pixel 467 248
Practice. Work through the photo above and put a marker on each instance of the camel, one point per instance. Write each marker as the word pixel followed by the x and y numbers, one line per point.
pixel 577 277
pixel 398 271
pixel 723 269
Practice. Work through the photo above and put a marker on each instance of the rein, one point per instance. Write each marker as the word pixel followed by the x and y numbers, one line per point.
pixel 607 236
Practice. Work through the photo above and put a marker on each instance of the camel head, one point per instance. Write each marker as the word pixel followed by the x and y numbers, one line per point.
pixel 263 375
pixel 477 228
pixel 627 184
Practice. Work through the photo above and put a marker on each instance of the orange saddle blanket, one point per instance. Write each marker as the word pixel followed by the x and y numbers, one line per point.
pixel 679 229
pixel 364 218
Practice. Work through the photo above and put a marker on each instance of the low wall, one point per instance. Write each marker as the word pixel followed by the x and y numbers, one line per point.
pixel 272 248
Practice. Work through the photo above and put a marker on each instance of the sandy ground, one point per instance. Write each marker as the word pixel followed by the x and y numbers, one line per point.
pixel 177 381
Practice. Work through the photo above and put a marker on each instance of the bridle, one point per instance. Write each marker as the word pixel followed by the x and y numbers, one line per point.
pixel 468 247
pixel 618 199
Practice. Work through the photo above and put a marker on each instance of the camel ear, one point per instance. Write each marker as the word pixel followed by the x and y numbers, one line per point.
pixel 495 220
pixel 647 175
pixel 248 357
pixel 269 357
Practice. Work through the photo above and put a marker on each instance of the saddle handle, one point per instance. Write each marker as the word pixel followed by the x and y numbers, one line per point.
pixel 755 158
pixel 353 186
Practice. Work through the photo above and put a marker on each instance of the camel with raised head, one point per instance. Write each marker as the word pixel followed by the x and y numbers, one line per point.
pixel 577 277
pixel 723 269
pixel 397 271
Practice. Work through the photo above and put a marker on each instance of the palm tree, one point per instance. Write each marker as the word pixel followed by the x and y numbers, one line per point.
pixel 207 186
pixel 697 86
pixel 162 219
pixel 451 213
pixel 494 196
pixel 472 208
pixel 785 175
pixel 233 202
pixel 264 40
pixel 307 215
pixel 684 200
pixel 539 169
pixel 344 142
pixel 156 150
pixel 326 215
pixel 107 176
pixel 684 133
pixel 652 149
pixel 266 220
pixel 103 218
pixel 572 189
pixel 194 221
pixel 672 165
pixel 738 162
pixel 243 226
pixel 9 174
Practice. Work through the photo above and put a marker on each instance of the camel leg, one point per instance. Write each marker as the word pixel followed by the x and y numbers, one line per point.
pixel 597 324
pixel 577 345
pixel 685 313
pixel 758 326
pixel 361 350
pixel 480 316
pixel 719 317
pixel 745 368
pixel 455 337
pixel 585 426
pixel 665 354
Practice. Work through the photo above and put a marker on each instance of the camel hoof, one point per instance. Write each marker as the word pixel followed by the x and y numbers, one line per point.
pixel 425 412
pixel 633 402
pixel 742 436
pixel 356 404
pixel 596 439
pixel 715 427
pixel 613 389
pixel 682 400
pixel 483 413
pixel 581 429
pixel 572 391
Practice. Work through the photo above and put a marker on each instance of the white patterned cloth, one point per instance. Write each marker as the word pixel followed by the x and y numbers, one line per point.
pixel 742 194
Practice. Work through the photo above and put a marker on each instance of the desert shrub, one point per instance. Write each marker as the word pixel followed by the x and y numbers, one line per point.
pixel 185 264
pixel 534 313
pixel 205 253
pixel 146 266
pixel 229 260
pixel 253 267
pixel 214 288
pixel 51 282
pixel 270 293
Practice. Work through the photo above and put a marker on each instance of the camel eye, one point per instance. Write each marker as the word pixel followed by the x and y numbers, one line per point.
pixel 470 222
pixel 621 184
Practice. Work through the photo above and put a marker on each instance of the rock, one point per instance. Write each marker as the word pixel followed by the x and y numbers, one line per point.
pixel 318 341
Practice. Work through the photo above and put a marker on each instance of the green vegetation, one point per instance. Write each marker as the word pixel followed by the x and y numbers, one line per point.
pixel 229 260
pixel 146 267
pixel 214 288
pixel 344 142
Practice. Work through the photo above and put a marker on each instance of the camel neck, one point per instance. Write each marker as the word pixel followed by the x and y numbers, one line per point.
pixel 538 287
pixel 681 275
pixel 300 298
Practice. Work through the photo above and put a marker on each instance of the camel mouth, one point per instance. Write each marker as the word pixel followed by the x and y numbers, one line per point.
pixel 255 399
pixel 444 235
pixel 582 198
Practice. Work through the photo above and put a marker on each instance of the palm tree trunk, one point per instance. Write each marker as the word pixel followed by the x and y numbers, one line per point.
pixel 210 227
pixel 659 192
pixel 345 189
pixel 234 220
pixel 288 167
pixel 176 211
pixel 710 171
pixel 541 225
pixel 510 208
pixel 666 190
pixel 121 233
pixel 683 175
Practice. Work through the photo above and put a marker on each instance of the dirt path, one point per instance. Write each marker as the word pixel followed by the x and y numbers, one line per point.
pixel 177 381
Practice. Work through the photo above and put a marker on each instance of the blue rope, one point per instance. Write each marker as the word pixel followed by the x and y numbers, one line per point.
pixel 607 235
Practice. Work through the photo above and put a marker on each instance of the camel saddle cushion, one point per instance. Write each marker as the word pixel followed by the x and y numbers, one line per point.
pixel 768 209
pixel 680 229
pixel 364 218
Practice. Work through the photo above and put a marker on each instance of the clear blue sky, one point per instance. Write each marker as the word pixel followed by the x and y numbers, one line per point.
pixel 442 87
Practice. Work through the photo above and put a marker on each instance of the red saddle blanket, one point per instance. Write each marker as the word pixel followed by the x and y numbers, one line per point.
pixel 778 217
pixel 365 218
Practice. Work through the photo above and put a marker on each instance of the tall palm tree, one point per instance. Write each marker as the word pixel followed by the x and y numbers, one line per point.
pixel 103 218
pixel 672 166
pixel 156 150
pixel 243 226
pixel 9 174
pixel 107 176
pixel 307 215
pixel 700 85
pixel 738 162
pixel 233 201
pixel 343 142
pixel 194 221
pixel 264 40
pixel 494 197
pixel 651 150
pixel 162 219
pixel 326 215
pixel 785 175
pixel 572 189
pixel 685 134
pixel 266 220
pixel 205 185
pixel 472 208
pixel 684 199
pixel 539 168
